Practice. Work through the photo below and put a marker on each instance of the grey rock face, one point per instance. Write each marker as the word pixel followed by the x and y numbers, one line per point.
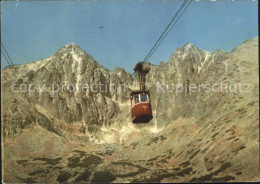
pixel 189 67
pixel 63 76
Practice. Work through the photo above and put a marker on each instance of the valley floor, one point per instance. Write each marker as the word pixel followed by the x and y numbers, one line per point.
pixel 214 153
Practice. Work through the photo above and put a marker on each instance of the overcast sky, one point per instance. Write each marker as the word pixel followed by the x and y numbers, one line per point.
pixel 32 30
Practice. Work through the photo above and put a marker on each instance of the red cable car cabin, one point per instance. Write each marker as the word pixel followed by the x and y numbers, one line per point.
pixel 141 107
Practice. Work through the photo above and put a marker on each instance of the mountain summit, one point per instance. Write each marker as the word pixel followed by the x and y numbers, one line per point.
pixel 72 50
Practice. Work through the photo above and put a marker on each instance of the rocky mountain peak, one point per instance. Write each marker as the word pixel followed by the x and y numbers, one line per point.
pixel 70 49
pixel 73 46
pixel 187 51
pixel 189 47
pixel 188 56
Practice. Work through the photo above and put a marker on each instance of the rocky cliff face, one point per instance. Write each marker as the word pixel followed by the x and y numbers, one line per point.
pixel 189 67
pixel 205 125
pixel 61 90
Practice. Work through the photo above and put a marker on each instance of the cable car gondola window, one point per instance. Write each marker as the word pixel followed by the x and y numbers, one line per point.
pixel 137 99
pixel 144 98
